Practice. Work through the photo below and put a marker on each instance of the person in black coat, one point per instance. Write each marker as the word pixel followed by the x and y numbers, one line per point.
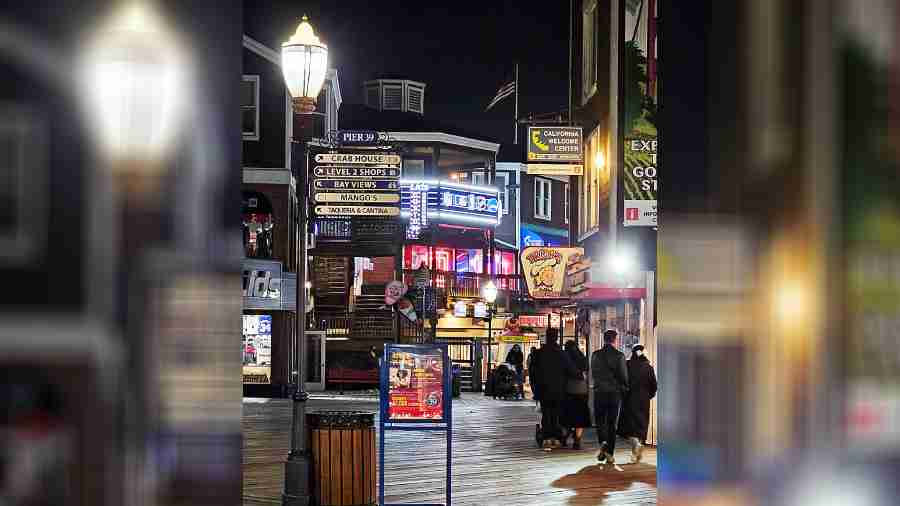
pixel 554 369
pixel 636 410
pixel 576 415
pixel 610 385
pixel 516 358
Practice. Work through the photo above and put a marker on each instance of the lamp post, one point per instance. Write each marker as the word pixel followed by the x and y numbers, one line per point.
pixel 131 74
pixel 489 292
pixel 304 62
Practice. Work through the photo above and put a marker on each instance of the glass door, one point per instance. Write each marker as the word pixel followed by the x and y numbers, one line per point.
pixel 315 361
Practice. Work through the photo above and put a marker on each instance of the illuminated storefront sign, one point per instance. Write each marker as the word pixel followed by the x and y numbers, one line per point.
pixel 422 202
pixel 265 286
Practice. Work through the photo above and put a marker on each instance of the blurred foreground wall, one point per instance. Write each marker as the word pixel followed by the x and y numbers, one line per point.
pixel 119 335
pixel 778 301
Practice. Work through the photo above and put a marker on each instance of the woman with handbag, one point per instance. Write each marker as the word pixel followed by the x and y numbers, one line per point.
pixel 576 415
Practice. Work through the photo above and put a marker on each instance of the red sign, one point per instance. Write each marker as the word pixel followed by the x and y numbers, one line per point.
pixel 539 320
pixel 632 214
pixel 416 386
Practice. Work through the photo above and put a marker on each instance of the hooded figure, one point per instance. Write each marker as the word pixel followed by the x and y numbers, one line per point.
pixel 636 409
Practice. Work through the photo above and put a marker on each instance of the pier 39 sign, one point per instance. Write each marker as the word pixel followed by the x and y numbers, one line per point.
pixel 356 185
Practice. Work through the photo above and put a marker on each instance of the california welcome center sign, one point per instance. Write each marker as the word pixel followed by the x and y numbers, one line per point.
pixel 555 273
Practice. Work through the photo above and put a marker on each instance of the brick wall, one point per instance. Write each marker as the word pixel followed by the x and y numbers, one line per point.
pixel 383 273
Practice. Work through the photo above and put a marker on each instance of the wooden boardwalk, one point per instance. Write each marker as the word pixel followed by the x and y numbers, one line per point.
pixel 495 461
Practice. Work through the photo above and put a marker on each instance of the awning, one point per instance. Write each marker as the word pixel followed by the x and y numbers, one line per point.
pixel 596 292
pixel 538 235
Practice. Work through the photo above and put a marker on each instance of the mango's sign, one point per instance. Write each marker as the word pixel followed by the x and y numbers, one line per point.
pixel 359 198
pixel 554 273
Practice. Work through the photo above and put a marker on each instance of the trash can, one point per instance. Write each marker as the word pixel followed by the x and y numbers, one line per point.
pixel 342 444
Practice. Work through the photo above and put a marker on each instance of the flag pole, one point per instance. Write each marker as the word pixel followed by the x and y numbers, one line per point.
pixel 516 138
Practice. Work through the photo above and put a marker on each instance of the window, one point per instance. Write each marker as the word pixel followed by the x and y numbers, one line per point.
pixel 372 98
pixel 542 198
pixel 479 178
pixel 413 169
pixel 416 98
pixel 502 182
pixel 250 108
pixel 566 202
pixel 589 49
pixel 594 185
pixel 393 97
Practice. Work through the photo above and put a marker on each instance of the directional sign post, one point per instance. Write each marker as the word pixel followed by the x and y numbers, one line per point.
pixel 357 184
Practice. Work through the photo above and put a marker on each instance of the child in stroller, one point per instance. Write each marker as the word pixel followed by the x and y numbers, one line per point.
pixel 506 383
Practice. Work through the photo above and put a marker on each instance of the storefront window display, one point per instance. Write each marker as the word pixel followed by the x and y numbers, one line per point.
pixel 258 226
pixel 256 348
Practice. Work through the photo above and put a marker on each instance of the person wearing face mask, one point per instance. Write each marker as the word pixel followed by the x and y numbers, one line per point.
pixel 636 408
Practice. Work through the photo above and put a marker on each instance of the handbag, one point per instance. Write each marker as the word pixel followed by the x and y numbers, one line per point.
pixel 577 386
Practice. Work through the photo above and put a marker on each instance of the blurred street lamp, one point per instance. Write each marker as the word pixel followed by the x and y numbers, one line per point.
pixel 132 80
pixel 304 63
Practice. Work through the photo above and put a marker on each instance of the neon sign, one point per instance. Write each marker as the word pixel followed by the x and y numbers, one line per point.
pixel 424 202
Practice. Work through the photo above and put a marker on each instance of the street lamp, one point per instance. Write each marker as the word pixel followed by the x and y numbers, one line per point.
pixel 304 63
pixel 132 76
pixel 489 292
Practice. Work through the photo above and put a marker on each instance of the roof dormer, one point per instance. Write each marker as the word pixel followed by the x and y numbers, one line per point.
pixel 395 95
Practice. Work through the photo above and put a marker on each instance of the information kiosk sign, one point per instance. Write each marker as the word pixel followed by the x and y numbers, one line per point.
pixel 416 395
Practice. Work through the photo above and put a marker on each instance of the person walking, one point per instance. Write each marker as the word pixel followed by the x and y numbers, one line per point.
pixel 553 371
pixel 529 368
pixel 636 408
pixel 516 359
pixel 576 415
pixel 610 376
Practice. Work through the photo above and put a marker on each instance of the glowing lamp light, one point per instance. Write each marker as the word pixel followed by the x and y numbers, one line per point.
pixel 489 292
pixel 304 62
pixel 599 160
pixel 132 76
pixel 620 263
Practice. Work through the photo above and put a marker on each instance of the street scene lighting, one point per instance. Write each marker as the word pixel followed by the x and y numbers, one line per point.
pixel 620 263
pixel 489 292
pixel 304 61
pixel 132 77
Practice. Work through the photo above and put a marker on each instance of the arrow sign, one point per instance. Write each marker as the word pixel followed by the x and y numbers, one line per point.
pixel 366 172
pixel 358 158
pixel 357 211
pixel 350 184
pixel 366 198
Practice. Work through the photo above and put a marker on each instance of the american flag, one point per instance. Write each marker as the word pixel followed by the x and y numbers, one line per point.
pixel 504 91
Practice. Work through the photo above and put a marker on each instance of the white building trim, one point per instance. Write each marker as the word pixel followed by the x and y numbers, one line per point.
pixel 262 50
pixel 457 140
pixel 254 175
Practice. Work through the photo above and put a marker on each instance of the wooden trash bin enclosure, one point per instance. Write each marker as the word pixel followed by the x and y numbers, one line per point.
pixel 342 444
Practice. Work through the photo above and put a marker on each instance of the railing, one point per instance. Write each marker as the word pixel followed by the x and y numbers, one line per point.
pixel 361 325
pixel 467 284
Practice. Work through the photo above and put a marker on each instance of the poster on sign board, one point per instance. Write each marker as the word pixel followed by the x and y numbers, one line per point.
pixel 415 383
pixel 554 273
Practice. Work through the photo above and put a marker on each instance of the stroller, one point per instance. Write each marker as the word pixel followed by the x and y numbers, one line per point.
pixel 506 383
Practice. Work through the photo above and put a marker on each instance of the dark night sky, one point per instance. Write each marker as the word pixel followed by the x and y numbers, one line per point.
pixel 463 50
